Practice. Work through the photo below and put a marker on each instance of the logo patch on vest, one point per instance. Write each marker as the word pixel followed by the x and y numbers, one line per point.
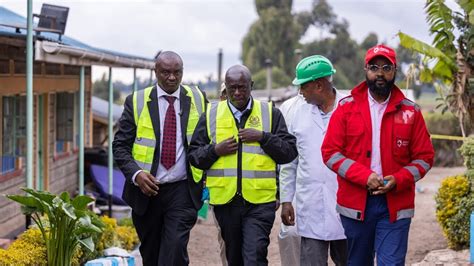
pixel 254 121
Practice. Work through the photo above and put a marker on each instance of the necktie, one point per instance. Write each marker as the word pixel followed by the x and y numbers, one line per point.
pixel 168 151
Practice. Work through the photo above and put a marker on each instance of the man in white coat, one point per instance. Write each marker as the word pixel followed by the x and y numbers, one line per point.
pixel 289 241
pixel 307 178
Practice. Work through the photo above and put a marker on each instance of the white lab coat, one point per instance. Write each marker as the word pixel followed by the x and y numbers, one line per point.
pixel 309 180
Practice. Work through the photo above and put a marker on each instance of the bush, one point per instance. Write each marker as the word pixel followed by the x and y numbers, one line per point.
pixel 454 204
pixel 28 249
pixel 446 151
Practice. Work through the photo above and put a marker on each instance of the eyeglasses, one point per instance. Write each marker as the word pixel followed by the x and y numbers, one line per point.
pixel 385 68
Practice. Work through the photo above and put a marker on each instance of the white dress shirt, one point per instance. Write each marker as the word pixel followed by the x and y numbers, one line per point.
pixel 376 113
pixel 178 171
pixel 236 112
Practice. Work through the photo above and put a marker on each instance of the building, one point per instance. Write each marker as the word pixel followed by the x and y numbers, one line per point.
pixel 56 76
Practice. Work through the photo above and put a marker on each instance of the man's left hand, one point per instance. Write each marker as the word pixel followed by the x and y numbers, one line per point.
pixel 250 135
pixel 390 183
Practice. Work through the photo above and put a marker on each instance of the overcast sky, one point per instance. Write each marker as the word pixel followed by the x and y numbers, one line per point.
pixel 196 29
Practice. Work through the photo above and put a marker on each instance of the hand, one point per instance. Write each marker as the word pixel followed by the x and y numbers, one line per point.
pixel 287 214
pixel 374 181
pixel 390 183
pixel 250 135
pixel 147 183
pixel 228 146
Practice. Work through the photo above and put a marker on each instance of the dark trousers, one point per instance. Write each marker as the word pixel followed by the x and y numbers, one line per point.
pixel 376 234
pixel 164 228
pixel 245 229
pixel 314 252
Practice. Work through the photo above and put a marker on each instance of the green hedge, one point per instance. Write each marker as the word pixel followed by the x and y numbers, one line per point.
pixel 446 151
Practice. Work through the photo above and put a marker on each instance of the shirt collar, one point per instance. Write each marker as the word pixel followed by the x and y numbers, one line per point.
pixel 235 110
pixel 373 102
pixel 162 93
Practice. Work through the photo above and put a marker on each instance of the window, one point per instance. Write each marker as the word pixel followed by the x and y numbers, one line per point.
pixel 13 132
pixel 65 116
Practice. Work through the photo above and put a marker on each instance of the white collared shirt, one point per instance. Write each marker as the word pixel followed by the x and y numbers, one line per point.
pixel 236 112
pixel 178 171
pixel 376 113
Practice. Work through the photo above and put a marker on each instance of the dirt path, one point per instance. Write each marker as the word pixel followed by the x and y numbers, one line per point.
pixel 425 233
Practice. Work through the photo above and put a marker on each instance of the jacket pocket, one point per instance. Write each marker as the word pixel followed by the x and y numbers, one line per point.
pixel 354 138
pixel 401 142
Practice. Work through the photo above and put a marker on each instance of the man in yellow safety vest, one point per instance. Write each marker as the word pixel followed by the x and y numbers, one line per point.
pixel 239 142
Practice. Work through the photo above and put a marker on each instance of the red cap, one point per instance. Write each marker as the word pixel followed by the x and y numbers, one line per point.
pixel 381 50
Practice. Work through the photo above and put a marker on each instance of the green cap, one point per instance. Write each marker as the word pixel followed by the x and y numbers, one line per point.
pixel 312 68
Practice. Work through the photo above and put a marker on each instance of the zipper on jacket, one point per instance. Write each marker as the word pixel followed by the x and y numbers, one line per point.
pixel 239 161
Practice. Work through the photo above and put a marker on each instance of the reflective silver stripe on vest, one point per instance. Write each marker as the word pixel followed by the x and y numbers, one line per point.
pixel 414 172
pixel 348 212
pixel 140 103
pixel 189 136
pixel 346 100
pixel 212 121
pixel 144 166
pixel 145 142
pixel 407 102
pixel 197 100
pixel 334 158
pixel 407 213
pixel 252 149
pixel 344 167
pixel 423 164
pixel 265 116
pixel 245 173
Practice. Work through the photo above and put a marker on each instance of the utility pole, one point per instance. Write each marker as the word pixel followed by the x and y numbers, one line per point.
pixel 219 72
pixel 268 65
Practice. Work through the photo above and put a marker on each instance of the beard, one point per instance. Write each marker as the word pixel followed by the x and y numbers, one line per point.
pixel 382 91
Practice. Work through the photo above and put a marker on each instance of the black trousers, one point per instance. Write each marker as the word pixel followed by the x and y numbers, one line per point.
pixel 245 229
pixel 164 228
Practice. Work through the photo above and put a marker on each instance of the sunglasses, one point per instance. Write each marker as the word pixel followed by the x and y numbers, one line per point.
pixel 385 68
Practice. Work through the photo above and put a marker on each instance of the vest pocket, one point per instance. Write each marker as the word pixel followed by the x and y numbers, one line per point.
pixel 215 182
pixel 263 183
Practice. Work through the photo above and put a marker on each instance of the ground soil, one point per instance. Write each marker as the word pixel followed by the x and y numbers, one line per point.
pixel 425 233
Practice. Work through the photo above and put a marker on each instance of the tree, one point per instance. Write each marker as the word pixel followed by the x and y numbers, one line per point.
pixel 449 61
pixel 273 36
pixel 279 79
pixel 100 88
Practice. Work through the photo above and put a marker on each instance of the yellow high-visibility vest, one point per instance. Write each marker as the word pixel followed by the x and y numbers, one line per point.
pixel 258 169
pixel 145 142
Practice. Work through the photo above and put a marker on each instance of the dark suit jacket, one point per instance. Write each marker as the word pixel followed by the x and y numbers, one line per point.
pixel 123 143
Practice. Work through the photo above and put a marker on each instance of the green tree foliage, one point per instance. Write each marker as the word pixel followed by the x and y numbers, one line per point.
pixel 279 79
pixel 273 36
pixel 277 33
pixel 100 88
pixel 449 61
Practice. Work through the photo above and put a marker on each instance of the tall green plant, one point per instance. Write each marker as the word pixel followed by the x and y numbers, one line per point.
pixel 69 223
pixel 450 59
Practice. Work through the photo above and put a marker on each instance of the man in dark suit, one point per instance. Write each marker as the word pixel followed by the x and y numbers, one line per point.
pixel 150 148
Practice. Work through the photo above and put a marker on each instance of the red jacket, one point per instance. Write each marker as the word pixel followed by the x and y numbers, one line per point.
pixel 405 148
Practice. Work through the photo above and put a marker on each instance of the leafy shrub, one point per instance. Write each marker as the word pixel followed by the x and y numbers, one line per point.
pixel 28 249
pixel 66 224
pixel 446 150
pixel 454 204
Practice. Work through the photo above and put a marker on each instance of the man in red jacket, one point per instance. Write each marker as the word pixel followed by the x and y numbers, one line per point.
pixel 378 145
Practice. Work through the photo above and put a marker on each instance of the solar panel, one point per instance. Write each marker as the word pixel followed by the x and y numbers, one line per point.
pixel 53 17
